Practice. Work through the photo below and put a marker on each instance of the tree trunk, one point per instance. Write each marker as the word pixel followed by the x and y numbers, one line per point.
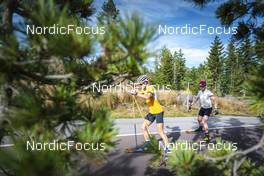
pixel 7 19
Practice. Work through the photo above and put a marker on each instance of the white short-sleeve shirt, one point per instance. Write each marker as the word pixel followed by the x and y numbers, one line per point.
pixel 205 98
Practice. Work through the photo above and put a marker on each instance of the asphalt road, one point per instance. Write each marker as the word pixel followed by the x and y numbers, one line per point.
pixel 181 124
pixel 245 131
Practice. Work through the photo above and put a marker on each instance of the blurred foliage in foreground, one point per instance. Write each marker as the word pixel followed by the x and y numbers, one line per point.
pixel 190 162
pixel 43 77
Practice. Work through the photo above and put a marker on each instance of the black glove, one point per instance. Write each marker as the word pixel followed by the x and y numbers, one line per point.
pixel 216 111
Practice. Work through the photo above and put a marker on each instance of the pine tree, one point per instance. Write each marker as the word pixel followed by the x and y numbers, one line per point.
pixel 192 77
pixel 228 67
pixel 256 79
pixel 215 65
pixel 156 76
pixel 232 70
pixel 124 42
pixel 246 57
pixel 109 11
pixel 107 19
pixel 179 70
pixel 165 68
pixel 247 14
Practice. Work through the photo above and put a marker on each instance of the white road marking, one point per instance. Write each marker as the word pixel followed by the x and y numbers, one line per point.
pixel 7 145
pixel 182 131
pixel 176 131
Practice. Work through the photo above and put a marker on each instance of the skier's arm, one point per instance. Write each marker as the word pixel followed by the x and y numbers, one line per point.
pixel 141 95
pixel 195 99
pixel 145 96
pixel 214 101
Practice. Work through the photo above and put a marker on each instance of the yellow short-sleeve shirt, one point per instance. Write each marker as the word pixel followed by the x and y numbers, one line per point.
pixel 152 102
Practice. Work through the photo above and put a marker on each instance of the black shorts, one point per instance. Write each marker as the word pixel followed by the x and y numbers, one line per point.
pixel 151 117
pixel 205 112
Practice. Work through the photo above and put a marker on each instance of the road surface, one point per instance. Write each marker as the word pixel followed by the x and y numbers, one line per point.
pixel 246 131
pixel 181 124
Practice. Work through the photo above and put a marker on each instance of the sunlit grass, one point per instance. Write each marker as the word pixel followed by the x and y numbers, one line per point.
pixel 121 105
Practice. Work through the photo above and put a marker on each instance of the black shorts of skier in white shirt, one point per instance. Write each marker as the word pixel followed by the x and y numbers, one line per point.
pixel 205 112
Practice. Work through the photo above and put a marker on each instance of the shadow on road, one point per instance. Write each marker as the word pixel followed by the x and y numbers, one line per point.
pixel 173 137
pixel 245 138
pixel 119 165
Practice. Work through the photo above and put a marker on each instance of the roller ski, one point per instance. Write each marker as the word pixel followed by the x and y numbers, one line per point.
pixel 135 150
pixel 141 149
pixel 197 130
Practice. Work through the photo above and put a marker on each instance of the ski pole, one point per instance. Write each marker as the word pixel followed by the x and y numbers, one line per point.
pixel 141 114
pixel 135 126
